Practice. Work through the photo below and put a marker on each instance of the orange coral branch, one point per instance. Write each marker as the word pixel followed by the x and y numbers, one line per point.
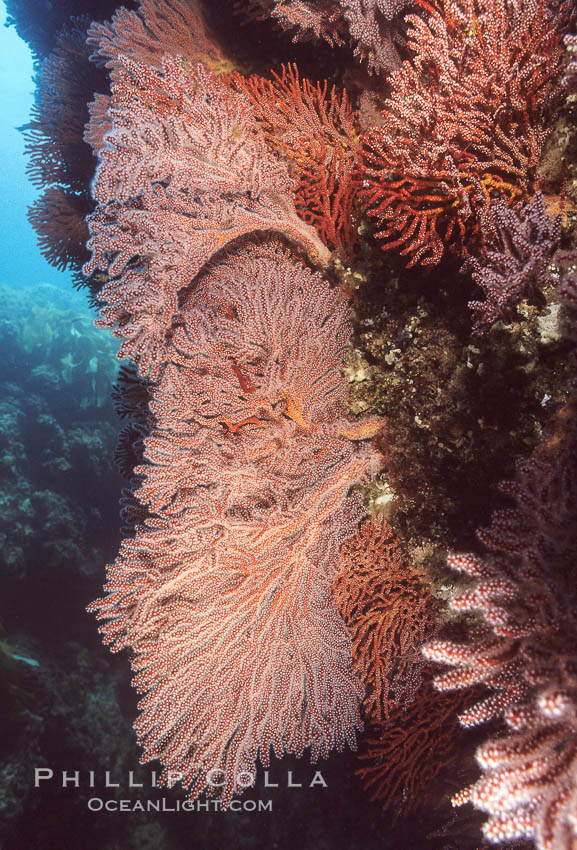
pixel 313 130
pixel 389 611
pixel 465 123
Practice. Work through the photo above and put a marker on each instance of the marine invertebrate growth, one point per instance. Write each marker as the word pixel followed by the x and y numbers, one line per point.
pixel 570 78
pixel 311 18
pixel 242 496
pixel 181 176
pixel 367 25
pixel 390 612
pixel 401 758
pixel 523 650
pixel 313 131
pixel 255 612
pixel 465 122
pixel 59 159
pixel 59 219
pixel 176 27
pixel 223 595
pixel 516 264
pixel 173 26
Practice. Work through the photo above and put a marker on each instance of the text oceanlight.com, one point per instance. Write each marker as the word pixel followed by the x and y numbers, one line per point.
pixel 97 804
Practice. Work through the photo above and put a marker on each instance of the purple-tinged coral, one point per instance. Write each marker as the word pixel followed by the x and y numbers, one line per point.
pixel 523 646
pixel 567 293
pixel 371 31
pixel 366 24
pixel 570 78
pixel 516 266
pixel 524 650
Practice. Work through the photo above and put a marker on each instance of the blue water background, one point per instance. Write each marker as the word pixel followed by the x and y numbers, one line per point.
pixel 21 264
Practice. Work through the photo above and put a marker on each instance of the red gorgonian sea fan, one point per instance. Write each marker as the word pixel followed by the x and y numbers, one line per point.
pixel 224 594
pixel 465 122
pixel 389 611
pixel 402 759
pixel 313 130
pixel 59 219
pixel 524 649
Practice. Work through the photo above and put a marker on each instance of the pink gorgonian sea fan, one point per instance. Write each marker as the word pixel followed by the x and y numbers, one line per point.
pixel 182 174
pixel 367 25
pixel 223 595
pixel 523 648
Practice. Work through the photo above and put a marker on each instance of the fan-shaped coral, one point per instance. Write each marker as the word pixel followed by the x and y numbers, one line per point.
pixel 465 123
pixel 223 595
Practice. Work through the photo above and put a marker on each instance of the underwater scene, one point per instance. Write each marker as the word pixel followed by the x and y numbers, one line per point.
pixel 288 425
